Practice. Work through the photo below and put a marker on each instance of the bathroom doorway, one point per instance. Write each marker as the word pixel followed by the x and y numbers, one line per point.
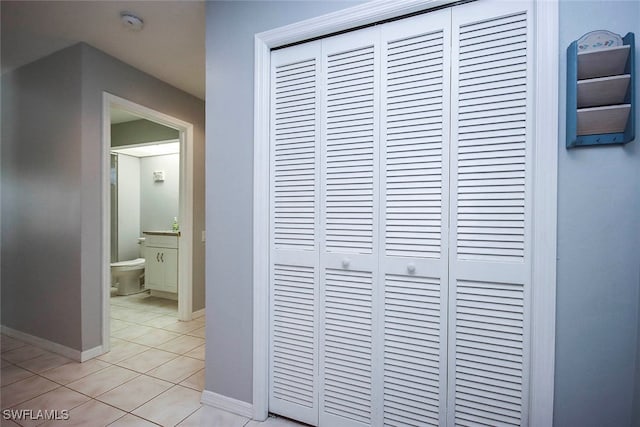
pixel 153 262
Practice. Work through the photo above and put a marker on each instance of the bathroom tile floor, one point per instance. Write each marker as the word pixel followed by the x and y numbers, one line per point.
pixel 153 375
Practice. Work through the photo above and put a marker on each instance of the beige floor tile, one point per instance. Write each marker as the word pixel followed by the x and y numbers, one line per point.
pixel 178 369
pixel 182 327
pixel 122 350
pixel 132 314
pixel 134 393
pixel 117 325
pixel 197 333
pixel 24 390
pixel 274 421
pixel 102 381
pixel 74 371
pixel 195 381
pixel 130 420
pixel 131 333
pixel 147 360
pixel 163 310
pixel 142 316
pixel 161 321
pixel 12 373
pixel 197 353
pixel 8 343
pixel 209 416
pixel 44 362
pixel 170 407
pixel 182 344
pixel 90 414
pixel 156 337
pixel 23 353
pixel 59 399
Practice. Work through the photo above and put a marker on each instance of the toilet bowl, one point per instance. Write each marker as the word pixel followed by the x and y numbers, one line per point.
pixel 125 275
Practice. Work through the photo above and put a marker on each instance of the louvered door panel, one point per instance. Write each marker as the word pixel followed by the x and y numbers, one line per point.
pixel 294 281
pixel 489 353
pixel 348 344
pixel 414 196
pixel 490 214
pixel 349 150
pixel 348 259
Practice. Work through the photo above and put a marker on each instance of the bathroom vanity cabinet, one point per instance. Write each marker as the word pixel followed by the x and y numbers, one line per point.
pixel 161 257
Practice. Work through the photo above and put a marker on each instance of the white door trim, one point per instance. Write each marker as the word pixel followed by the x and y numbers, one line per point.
pixel 185 267
pixel 545 166
pixel 545 213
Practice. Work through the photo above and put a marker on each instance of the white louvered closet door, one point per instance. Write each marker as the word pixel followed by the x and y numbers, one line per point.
pixel 414 194
pixel 490 257
pixel 294 258
pixel 348 257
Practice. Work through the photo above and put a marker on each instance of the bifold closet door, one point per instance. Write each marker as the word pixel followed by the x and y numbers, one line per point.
pixel 414 194
pixel 490 257
pixel 349 367
pixel 294 242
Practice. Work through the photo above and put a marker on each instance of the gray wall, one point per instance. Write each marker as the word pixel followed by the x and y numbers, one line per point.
pixel 598 252
pixel 102 72
pixel 140 132
pixel 41 200
pixel 159 200
pixel 230 33
pixel 51 198
pixel 129 201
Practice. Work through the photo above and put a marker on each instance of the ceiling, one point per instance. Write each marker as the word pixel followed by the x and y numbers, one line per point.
pixel 171 46
pixel 122 116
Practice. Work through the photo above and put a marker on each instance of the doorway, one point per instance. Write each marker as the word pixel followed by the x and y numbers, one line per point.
pixel 183 220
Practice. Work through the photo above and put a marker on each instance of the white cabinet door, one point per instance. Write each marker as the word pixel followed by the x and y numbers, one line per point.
pixel 169 258
pixel 154 270
pixel 161 269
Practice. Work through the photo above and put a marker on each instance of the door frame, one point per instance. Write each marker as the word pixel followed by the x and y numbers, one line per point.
pixel 185 206
pixel 544 191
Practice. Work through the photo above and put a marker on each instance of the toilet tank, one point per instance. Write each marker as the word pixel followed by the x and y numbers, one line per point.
pixel 141 247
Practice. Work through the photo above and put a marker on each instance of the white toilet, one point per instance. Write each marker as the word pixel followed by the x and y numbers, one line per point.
pixel 125 275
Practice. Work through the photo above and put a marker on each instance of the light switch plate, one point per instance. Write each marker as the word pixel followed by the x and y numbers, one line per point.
pixel 158 176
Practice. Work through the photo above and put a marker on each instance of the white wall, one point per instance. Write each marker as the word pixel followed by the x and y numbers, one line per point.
pixel 598 251
pixel 129 199
pixel 159 201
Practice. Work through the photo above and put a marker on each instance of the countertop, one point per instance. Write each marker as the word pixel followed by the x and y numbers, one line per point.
pixel 162 233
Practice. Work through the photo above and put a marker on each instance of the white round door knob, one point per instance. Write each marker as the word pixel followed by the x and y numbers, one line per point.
pixel 346 263
pixel 411 268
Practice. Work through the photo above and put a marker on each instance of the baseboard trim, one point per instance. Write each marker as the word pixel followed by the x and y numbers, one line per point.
pixel 197 313
pixel 228 404
pixel 71 353
pixel 91 353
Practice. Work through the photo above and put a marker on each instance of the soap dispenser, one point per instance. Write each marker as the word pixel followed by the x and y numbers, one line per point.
pixel 174 226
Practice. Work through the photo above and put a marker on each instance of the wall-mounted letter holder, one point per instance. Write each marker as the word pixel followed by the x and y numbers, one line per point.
pixel 601 89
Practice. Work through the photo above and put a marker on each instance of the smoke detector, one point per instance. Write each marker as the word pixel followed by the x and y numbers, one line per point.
pixel 131 21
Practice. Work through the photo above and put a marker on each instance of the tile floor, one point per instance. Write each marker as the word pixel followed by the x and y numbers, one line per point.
pixel 153 375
